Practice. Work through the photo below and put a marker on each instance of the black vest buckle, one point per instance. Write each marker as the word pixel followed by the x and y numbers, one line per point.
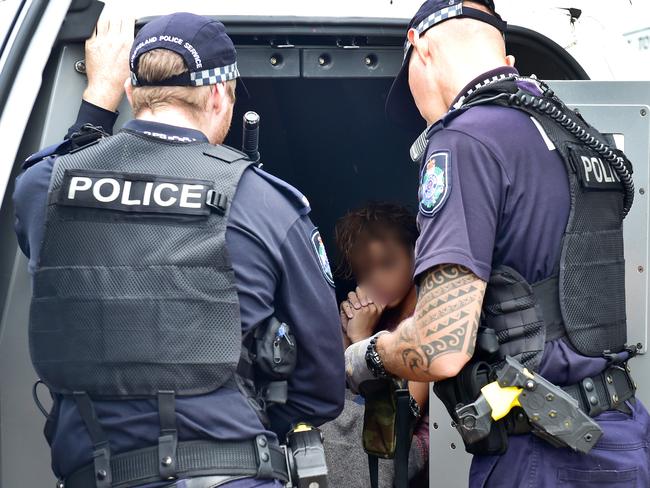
pixel 217 201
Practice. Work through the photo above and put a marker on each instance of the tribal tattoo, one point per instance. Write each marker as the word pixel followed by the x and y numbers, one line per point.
pixel 445 322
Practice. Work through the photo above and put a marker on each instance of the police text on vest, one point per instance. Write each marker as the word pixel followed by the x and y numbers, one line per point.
pixel 131 192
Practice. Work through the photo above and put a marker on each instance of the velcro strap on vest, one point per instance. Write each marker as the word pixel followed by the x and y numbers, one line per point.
pixel 194 458
pixel 548 300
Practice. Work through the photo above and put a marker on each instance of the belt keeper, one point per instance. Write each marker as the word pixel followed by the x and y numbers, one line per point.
pixel 167 456
pixel 168 440
pixel 265 468
pixel 102 465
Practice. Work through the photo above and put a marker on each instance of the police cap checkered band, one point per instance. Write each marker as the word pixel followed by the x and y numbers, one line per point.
pixel 206 49
pixel 450 9
pixel 215 75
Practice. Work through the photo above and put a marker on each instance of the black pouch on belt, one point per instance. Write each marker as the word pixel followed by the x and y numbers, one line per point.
pixel 275 350
pixel 464 389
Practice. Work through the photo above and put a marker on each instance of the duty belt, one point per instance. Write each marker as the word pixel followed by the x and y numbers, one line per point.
pixel 256 458
pixel 608 390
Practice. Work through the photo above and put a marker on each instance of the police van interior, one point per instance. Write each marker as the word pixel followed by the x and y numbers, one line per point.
pixel 319 85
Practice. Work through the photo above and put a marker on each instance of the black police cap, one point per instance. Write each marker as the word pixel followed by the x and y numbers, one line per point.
pixel 400 106
pixel 208 52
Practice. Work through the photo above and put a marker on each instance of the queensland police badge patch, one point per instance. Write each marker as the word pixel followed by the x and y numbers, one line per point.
pixel 434 183
pixel 319 247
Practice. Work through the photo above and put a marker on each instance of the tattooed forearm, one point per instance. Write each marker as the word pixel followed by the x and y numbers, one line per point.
pixel 444 326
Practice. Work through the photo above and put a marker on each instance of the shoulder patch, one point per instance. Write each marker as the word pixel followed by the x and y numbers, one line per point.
pixel 319 247
pixel 435 184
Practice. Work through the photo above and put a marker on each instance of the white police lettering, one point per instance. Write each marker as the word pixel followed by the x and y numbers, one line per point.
pixel 168 137
pixel 195 55
pixel 130 192
pixel 596 170
pixel 104 182
pixel 146 197
pixel 157 194
pixel 187 193
pixel 126 197
pixel 175 40
pixel 140 46
pixel 80 183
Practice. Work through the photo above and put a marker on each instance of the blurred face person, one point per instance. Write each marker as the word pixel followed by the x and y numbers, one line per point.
pixel 206 108
pixel 377 244
pixel 383 266
pixel 449 54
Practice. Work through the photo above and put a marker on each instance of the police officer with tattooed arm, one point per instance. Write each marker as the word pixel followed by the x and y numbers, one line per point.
pixel 183 312
pixel 520 317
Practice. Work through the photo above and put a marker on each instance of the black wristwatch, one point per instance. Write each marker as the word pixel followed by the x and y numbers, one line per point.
pixel 374 362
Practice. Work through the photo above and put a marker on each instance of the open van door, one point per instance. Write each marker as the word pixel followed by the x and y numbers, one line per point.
pixel 29 30
pixel 319 85
pixel 622 109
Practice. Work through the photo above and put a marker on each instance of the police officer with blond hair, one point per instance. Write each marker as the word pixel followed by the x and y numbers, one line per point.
pixel 154 253
pixel 520 319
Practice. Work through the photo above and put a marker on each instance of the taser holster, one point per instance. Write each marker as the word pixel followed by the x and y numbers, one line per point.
pixel 553 414
pixel 463 390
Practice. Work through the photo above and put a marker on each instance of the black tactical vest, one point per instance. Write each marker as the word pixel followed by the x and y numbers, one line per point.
pixel 134 292
pixel 585 298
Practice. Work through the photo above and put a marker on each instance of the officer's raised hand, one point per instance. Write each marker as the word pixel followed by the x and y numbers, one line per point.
pixel 107 61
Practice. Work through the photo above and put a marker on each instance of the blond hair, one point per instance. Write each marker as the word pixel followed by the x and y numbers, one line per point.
pixel 160 64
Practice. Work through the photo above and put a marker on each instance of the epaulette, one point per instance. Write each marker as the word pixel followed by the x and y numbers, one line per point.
pixel 225 153
pixel 86 136
pixel 293 194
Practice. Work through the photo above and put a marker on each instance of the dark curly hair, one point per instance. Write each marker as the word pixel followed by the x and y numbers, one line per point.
pixel 378 220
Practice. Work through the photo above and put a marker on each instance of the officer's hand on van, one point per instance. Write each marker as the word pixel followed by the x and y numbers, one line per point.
pixel 107 61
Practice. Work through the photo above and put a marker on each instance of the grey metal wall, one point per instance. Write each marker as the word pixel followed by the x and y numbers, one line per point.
pixel 24 454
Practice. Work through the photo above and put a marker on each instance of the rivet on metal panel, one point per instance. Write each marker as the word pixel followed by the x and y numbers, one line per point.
pixel 641 191
pixel 644 112
pixel 640 269
pixel 80 66
pixel 371 60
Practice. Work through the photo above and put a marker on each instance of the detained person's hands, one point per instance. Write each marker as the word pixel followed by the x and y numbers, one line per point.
pixel 107 61
pixel 360 315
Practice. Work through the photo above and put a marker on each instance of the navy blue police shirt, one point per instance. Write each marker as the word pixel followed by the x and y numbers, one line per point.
pixel 494 191
pixel 280 268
